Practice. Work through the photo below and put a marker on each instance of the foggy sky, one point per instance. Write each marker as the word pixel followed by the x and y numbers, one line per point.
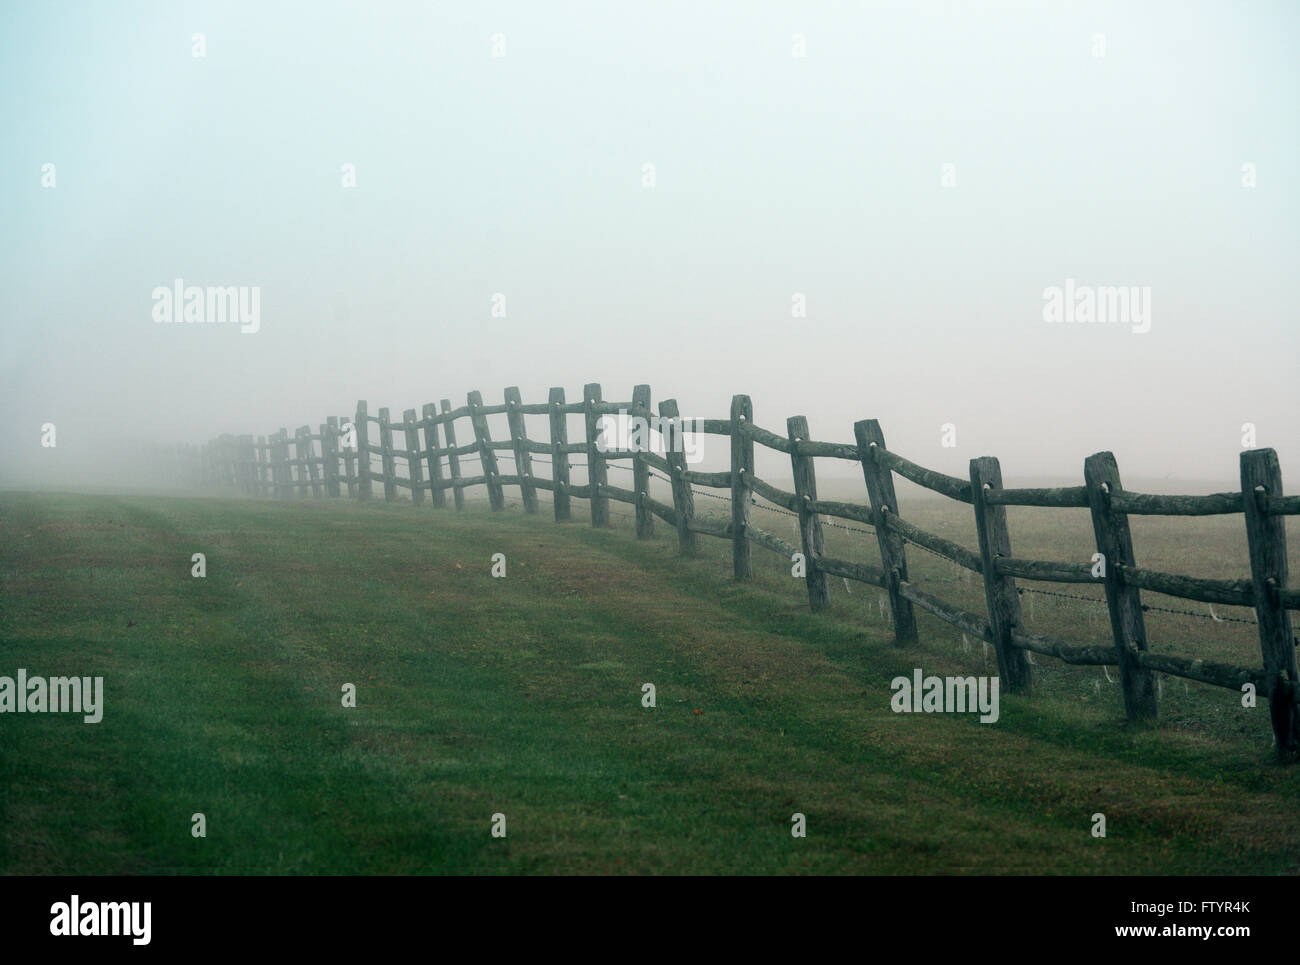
pixel 775 174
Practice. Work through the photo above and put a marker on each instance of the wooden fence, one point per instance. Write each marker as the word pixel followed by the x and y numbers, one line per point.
pixel 326 463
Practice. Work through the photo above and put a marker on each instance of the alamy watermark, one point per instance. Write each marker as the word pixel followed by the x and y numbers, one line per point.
pixel 945 695
pixel 58 695
pixel 127 918
pixel 631 433
pixel 218 304
pixel 1084 304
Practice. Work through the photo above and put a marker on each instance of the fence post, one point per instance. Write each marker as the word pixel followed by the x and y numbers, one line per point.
pixel 244 445
pixel 432 456
pixel 388 463
pixel 265 480
pixel 286 467
pixel 893 555
pixel 234 455
pixel 411 431
pixel 307 450
pixel 365 485
pixel 329 450
pixel 453 459
pixel 675 453
pixel 810 523
pixel 1123 601
pixel 1000 592
pixel 245 463
pixel 487 455
pixel 226 463
pixel 298 471
pixel 347 453
pixel 597 473
pixel 253 472
pixel 1261 477
pixel 519 439
pixel 559 454
pixel 742 472
pixel 645 520
pixel 280 463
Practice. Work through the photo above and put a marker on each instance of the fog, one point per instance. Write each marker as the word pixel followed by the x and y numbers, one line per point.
pixel 854 211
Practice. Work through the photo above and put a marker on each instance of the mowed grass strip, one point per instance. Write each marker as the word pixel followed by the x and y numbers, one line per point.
pixel 522 696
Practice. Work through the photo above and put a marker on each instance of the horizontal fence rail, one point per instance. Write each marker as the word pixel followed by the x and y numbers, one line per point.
pixel 421 455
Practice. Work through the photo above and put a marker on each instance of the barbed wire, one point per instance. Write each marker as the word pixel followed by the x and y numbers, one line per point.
pixel 781 511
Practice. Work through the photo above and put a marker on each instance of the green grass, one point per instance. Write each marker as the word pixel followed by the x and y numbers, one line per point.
pixel 523 696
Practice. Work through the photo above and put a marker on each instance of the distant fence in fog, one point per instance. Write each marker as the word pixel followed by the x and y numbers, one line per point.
pixel 337 459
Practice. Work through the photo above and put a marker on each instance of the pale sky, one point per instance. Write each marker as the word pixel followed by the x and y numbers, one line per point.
pixel 776 176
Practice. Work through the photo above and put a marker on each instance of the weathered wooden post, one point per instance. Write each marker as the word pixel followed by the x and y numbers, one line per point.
pixel 347 450
pixel 810 523
pixel 432 456
pixel 287 479
pixel 247 463
pixel 597 473
pixel 272 469
pixel 387 461
pixel 232 460
pixel 411 429
pixel 299 464
pixel 1124 601
pixel 265 477
pixel 559 454
pixel 893 555
pixel 227 460
pixel 365 484
pixel 1261 479
pixel 645 519
pixel 307 451
pixel 742 484
pixel 488 456
pixel 297 471
pixel 519 440
pixel 683 496
pixel 252 466
pixel 243 473
pixel 329 450
pixel 999 590
pixel 453 459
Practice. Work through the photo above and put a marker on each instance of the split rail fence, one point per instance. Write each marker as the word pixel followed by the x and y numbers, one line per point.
pixel 322 464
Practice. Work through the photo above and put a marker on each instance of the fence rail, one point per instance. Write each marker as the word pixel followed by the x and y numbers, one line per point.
pixel 337 460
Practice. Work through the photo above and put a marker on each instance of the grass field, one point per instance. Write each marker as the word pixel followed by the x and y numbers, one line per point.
pixel 523 696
